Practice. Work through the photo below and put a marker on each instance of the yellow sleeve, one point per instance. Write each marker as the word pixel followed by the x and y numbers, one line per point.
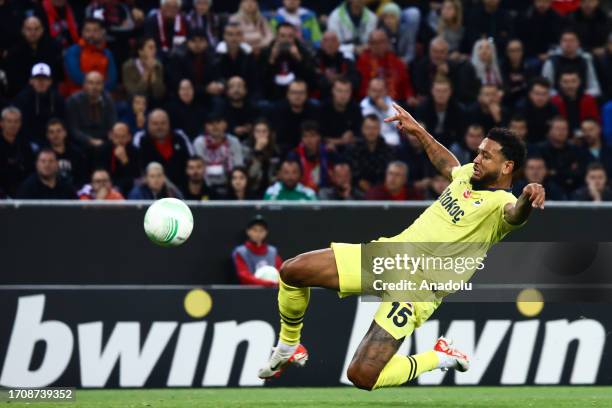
pixel 467 170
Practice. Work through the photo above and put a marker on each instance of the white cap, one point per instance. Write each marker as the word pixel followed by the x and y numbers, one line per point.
pixel 41 69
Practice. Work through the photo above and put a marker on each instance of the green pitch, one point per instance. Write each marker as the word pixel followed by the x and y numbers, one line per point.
pixel 431 397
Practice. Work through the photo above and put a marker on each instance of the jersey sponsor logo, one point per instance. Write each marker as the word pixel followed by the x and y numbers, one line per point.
pixel 451 206
pixel 467 194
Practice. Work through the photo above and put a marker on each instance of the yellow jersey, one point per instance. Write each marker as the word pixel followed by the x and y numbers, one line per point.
pixel 462 214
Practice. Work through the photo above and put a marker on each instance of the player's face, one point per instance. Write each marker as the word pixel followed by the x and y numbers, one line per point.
pixel 535 171
pixel 290 174
pixel 490 164
pixel 257 233
pixel 195 170
pixel 56 134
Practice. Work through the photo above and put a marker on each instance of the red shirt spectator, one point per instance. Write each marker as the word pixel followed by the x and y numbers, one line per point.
pixel 379 61
pixel 573 104
pixel 62 24
pixel 395 187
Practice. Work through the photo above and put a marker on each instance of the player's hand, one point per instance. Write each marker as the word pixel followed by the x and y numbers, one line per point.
pixel 536 195
pixel 405 121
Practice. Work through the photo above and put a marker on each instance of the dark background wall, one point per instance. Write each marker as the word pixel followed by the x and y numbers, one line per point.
pixel 106 244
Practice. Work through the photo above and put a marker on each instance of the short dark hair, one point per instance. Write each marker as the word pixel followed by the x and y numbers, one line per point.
pixel 56 121
pixel 569 31
pixel 93 20
pixel 309 126
pixel 513 147
pixel 342 80
pixel 594 166
pixel 518 118
pixel 286 25
pixel 371 117
pixel 540 81
pixel 291 160
pixel 569 71
pixel 46 150
pixel 195 158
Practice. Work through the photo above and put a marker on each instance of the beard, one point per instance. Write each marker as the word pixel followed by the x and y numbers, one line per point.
pixel 485 180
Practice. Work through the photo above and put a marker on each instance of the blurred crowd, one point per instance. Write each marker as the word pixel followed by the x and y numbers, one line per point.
pixel 285 100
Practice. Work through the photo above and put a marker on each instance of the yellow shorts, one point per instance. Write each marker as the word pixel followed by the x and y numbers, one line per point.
pixel 397 318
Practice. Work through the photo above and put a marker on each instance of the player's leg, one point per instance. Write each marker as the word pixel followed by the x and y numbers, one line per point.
pixel 297 275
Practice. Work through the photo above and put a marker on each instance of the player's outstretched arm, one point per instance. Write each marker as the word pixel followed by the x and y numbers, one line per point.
pixel 533 196
pixel 440 156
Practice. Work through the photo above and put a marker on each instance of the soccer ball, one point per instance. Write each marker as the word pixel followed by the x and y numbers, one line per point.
pixel 168 222
pixel 268 273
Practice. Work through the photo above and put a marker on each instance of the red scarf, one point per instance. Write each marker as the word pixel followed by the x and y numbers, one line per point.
pixel 308 168
pixel 179 30
pixel 164 147
pixel 56 23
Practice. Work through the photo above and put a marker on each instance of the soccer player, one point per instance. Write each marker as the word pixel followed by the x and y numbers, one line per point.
pixel 483 211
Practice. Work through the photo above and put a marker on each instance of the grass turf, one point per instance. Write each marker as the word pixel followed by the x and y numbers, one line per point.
pixel 434 397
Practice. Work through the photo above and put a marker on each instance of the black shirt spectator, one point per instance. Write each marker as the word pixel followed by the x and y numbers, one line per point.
pixel 232 60
pixel 596 188
pixel 340 115
pixel 488 20
pixel 535 171
pixel 262 156
pixel 603 66
pixel 185 111
pixel 516 73
pixel 39 101
pixel 466 149
pixel 539 29
pixel 162 144
pixel 167 26
pixel 16 156
pixel 195 187
pixel 288 115
pixel 119 157
pixel 592 25
pixel 488 110
pixel 238 109
pixel 342 185
pixel 331 64
pixel 597 150
pixel 32 48
pixel 72 162
pixel 45 183
pixel 537 109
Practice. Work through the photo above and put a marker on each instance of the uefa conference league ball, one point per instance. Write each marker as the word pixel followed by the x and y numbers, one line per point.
pixel 168 222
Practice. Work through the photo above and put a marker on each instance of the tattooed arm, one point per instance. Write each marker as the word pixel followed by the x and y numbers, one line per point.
pixel 442 159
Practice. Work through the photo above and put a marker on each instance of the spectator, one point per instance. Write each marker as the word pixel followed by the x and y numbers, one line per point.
pixel 45 183
pixel 119 157
pixel 220 150
pixel 288 115
pixel 569 57
pixel 194 61
pixel 461 73
pixel 134 113
pixel 39 102
pixel 61 22
pixel 196 188
pixel 262 156
pixel 255 28
pixel 100 188
pixel 592 25
pixel 304 20
pixel 377 102
pixel 536 172
pixel 162 144
pixel 167 26
pixel 537 109
pixel 370 156
pixel 288 186
pixel 488 110
pixel 565 162
pixel 572 103
pixel 32 48
pixel 565 7
pixel 442 115
pixel 72 162
pixel 488 20
pixel 604 70
pixel 467 149
pixel 591 134
pixel 233 59
pixel 202 17
pixel 91 112
pixel 341 185
pixel 238 110
pixel 515 73
pixel 239 186
pixel 89 55
pixel 378 61
pixel 340 116
pixel 401 34
pixel 155 185
pixel 449 25
pixel 186 111
pixel 596 188
pixel 254 254
pixel 331 64
pixel 285 60
pixel 353 23
pixel 395 187
pixel 438 184
pixel 540 29
pixel 484 59
pixel 145 74
pixel 412 152
pixel 518 125
pixel 16 156
pixel 313 156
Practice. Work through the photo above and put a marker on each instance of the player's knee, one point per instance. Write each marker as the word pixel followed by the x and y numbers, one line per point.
pixel 362 376
pixel 290 271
